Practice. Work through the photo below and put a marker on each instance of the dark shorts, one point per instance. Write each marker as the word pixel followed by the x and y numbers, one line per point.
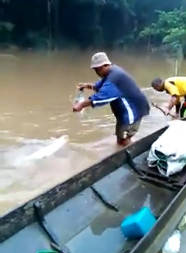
pixel 125 131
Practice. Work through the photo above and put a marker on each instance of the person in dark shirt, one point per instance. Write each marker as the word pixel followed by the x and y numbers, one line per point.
pixel 117 87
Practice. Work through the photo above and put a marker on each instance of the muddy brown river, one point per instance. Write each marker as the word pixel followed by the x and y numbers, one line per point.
pixel 37 91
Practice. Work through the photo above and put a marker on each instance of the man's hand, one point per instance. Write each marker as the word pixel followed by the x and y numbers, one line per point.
pixel 77 107
pixel 82 86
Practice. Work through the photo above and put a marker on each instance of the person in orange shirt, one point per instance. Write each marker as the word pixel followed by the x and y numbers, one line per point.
pixel 176 87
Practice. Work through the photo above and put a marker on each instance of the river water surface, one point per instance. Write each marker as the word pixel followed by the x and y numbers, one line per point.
pixel 37 91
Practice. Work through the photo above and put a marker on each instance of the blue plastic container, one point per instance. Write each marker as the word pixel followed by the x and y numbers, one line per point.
pixel 138 224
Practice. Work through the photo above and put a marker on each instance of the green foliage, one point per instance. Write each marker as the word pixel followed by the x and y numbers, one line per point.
pixel 169 29
pixel 93 23
pixel 6 29
pixel 6 26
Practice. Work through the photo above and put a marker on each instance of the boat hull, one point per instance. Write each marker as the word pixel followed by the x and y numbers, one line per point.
pixel 85 212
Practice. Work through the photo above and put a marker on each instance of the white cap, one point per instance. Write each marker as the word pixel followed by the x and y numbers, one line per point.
pixel 99 59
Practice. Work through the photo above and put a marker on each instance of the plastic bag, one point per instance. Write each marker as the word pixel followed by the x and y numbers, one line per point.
pixel 167 153
pixel 173 243
pixel 79 97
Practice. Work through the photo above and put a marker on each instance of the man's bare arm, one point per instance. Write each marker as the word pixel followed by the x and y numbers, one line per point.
pixel 173 101
pixel 89 86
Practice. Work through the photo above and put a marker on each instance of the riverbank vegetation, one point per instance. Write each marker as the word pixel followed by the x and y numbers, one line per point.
pixel 43 24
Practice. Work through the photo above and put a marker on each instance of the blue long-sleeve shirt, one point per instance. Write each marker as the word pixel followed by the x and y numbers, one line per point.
pixel 127 101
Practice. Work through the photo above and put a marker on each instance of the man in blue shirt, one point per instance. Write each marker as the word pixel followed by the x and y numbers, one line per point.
pixel 119 89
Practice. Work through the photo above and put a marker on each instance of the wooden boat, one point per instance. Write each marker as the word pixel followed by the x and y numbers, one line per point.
pixel 83 214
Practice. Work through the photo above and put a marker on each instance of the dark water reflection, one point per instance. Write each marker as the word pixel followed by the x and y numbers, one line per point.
pixel 37 91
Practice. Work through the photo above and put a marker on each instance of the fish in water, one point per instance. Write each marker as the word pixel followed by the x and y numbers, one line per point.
pixel 46 151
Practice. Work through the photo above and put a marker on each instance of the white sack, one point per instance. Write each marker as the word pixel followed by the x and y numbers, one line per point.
pixel 172 145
